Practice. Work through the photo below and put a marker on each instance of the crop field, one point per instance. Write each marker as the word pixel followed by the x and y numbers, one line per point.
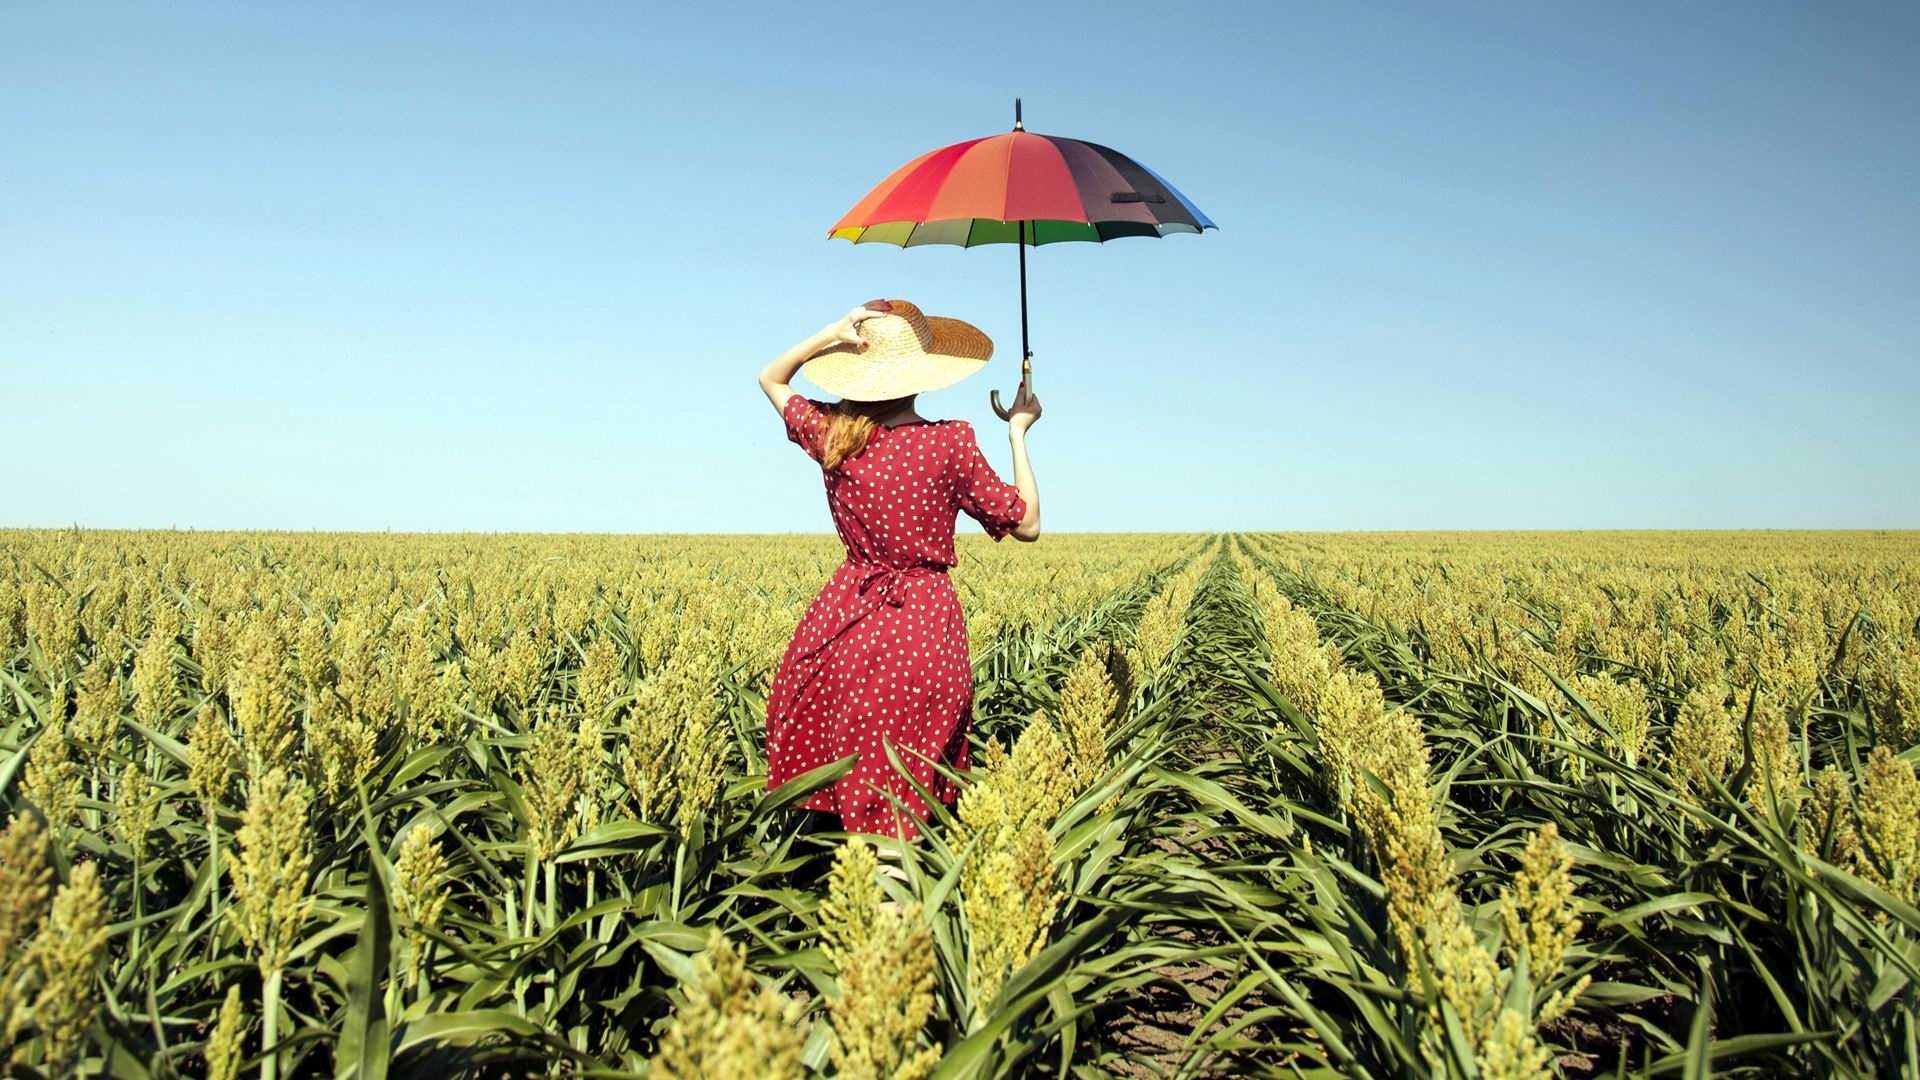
pixel 1448 804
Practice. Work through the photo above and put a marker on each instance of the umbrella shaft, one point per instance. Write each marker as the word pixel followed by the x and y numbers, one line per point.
pixel 1020 243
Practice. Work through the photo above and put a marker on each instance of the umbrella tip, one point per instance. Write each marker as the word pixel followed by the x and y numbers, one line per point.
pixel 1017 125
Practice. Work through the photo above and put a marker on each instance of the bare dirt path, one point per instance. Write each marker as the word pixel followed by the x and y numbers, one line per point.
pixel 1158 1033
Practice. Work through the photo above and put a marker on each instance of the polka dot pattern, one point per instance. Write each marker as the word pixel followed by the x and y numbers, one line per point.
pixel 880 656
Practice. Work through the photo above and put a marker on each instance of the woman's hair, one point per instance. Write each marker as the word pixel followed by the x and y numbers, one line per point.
pixel 849 426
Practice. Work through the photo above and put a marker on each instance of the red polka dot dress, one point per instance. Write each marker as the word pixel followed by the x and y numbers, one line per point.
pixel 880 656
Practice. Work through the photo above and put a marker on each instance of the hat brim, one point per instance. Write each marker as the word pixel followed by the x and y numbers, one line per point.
pixel 958 350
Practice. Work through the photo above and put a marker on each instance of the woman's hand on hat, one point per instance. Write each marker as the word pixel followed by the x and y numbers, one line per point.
pixel 848 329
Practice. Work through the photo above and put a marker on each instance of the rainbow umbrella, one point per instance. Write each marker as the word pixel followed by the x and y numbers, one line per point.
pixel 1023 189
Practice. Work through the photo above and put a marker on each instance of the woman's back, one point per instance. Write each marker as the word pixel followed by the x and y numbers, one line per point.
pixel 895 502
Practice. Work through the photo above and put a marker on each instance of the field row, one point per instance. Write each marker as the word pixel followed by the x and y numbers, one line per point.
pixel 1636 803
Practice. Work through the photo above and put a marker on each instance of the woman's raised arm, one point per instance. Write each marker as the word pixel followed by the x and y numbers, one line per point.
pixel 777 374
pixel 1025 411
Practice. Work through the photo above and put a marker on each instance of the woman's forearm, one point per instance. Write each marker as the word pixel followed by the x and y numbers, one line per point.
pixel 781 370
pixel 1029 527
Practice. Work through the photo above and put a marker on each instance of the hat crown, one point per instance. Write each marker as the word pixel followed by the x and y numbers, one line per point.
pixel 905 330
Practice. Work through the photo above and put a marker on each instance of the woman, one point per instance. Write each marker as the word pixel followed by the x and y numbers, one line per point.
pixel 880 657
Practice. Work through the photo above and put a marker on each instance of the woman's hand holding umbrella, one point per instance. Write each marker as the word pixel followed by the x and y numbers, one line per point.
pixel 1026 410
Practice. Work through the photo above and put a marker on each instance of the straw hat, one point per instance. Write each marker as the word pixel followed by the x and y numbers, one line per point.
pixel 907 353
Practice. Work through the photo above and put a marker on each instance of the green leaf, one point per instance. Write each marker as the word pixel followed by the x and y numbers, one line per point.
pixel 797 789
pixel 1699 1056
pixel 612 838
pixel 363 1048
pixel 462 1028
pixel 1673 902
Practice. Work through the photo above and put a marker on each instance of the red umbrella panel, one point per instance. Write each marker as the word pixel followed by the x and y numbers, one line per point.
pixel 1024 188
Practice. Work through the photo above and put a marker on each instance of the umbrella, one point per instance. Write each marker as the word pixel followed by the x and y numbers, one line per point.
pixel 1024 189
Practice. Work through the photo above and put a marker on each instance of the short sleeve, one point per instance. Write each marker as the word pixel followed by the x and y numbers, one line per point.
pixel 994 503
pixel 806 423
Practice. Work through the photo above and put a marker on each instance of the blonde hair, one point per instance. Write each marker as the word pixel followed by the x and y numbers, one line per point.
pixel 849 427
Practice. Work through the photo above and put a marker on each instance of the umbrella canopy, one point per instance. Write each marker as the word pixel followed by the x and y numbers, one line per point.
pixel 1024 189
pixel 1042 189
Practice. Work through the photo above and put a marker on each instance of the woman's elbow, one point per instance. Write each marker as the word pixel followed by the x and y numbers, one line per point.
pixel 1026 532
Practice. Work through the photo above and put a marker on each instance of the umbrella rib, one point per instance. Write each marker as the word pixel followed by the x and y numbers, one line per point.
pixel 1006 185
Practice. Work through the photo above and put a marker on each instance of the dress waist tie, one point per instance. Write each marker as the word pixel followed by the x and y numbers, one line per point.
pixel 877 584
pixel 882 582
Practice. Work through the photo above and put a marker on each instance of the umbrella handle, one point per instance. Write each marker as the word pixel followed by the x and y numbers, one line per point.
pixel 1026 389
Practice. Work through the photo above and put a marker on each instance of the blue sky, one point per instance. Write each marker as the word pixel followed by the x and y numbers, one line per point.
pixel 515 267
